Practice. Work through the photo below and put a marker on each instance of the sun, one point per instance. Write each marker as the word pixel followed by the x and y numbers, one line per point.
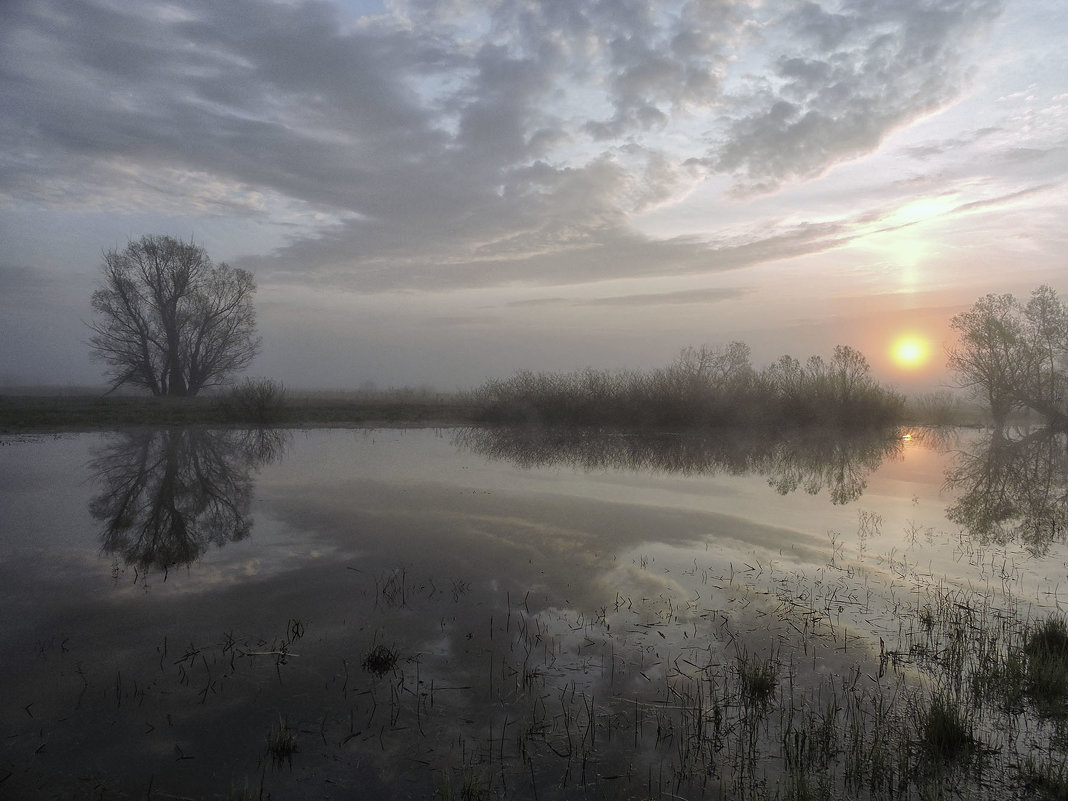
pixel 910 351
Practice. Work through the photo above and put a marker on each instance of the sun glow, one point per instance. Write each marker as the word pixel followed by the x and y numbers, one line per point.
pixel 910 352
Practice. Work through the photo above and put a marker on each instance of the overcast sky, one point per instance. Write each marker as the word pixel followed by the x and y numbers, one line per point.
pixel 441 192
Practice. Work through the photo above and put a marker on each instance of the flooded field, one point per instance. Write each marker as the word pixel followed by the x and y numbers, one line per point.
pixel 483 614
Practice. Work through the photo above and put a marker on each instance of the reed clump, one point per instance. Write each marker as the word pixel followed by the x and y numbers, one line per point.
pixel 945 731
pixel 1046 649
pixel 758 680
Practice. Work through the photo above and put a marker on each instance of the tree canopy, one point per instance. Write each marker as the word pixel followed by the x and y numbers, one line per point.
pixel 1015 355
pixel 170 320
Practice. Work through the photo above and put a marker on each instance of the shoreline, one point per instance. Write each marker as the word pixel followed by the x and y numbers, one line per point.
pixel 25 413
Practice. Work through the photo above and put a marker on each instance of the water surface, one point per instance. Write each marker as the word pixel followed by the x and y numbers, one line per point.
pixel 173 597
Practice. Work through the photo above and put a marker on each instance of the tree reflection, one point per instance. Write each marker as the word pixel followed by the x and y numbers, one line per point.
pixel 813 460
pixel 1013 489
pixel 167 494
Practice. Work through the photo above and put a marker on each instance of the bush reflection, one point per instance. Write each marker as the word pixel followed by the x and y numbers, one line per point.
pixel 812 460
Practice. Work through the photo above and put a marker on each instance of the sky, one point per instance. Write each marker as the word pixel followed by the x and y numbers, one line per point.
pixel 438 193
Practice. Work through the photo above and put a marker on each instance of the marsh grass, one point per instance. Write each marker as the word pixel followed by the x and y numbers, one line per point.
pixel 597 706
pixel 1046 649
pixel 1046 779
pixel 758 679
pixel 281 743
pixel 733 692
pixel 244 793
pixel 945 731
pixel 472 787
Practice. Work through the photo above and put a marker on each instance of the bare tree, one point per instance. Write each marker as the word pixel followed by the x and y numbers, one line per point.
pixel 1046 332
pixel 986 358
pixel 170 320
pixel 1014 355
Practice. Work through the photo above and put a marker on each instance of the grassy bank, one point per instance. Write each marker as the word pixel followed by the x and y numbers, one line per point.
pixel 704 388
pixel 86 412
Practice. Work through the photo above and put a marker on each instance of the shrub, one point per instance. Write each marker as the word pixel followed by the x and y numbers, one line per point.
pixel 256 400
pixel 702 388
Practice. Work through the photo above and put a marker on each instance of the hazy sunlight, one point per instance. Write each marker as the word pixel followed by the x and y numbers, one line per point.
pixel 910 351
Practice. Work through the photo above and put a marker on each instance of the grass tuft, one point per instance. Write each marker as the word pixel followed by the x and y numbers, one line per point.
pixel 945 731
pixel 281 743
pixel 1046 648
pixel 471 788
pixel 380 661
pixel 241 793
pixel 759 678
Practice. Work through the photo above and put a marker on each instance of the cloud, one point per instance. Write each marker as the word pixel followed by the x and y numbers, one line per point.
pixel 1002 200
pixel 930 150
pixel 460 143
pixel 842 81
pixel 562 257
pixel 644 300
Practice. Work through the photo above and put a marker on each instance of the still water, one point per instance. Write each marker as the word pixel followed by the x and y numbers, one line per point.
pixel 494 614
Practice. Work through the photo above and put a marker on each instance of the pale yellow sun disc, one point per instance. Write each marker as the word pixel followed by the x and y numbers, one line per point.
pixel 910 351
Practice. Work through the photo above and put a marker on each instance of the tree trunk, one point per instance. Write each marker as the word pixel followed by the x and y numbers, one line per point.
pixel 175 379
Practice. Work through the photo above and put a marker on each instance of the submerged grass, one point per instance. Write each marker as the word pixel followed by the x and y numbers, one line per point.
pixel 758 679
pixel 471 785
pixel 929 692
pixel 650 699
pixel 281 743
pixel 380 660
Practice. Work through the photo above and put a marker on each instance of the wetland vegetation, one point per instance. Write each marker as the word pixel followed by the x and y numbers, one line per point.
pixel 703 388
pixel 494 613
pixel 702 581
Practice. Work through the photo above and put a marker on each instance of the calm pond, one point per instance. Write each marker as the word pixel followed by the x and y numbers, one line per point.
pixel 512 614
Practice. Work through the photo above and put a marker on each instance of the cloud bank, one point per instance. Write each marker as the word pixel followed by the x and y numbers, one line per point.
pixel 464 144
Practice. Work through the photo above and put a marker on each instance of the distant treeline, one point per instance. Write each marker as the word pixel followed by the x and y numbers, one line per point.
pixel 704 387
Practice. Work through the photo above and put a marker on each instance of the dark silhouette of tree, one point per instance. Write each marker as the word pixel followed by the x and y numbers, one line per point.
pixel 170 320
pixel 167 495
pixel 1013 489
pixel 1015 356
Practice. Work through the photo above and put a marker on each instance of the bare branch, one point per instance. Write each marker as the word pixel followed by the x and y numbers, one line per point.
pixel 170 320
